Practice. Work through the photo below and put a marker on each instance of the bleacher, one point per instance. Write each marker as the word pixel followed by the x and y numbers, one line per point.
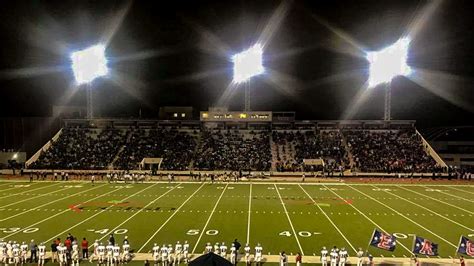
pixel 356 147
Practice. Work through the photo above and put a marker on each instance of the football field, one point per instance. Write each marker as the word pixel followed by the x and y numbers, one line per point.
pixel 280 216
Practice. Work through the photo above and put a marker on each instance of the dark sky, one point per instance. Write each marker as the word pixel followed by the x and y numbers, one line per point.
pixel 181 50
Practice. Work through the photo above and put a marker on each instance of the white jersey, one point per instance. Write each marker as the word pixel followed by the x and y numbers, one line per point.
pixel 75 252
pixel 126 248
pixel 178 248
pixel 247 250
pixel 258 251
pixel 170 251
pixel 42 250
pixel 208 248
pixel 101 250
pixel 223 249
pixel 116 251
pixel 334 256
pixel 96 244
pixel 216 249
pixel 3 251
pixel 343 255
pixel 324 254
pixel 164 252
pixel 110 250
pixel 156 251
pixel 16 251
pixel 360 254
pixel 232 250
pixel 186 248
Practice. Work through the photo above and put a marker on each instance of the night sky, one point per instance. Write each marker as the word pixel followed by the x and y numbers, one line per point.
pixel 164 54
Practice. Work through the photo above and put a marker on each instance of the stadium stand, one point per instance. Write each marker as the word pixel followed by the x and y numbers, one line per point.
pixel 389 151
pixel 372 148
pixel 294 146
pixel 175 147
pixel 234 150
pixel 82 148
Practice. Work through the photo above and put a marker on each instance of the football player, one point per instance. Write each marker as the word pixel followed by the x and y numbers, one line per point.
pixel 101 253
pixel 223 250
pixel 343 257
pixel 156 253
pixel 75 254
pixel 125 251
pixel 186 251
pixel 164 255
pixel 233 254
pixel 258 254
pixel 170 254
pixel 360 257
pixel 178 249
pixel 324 257
pixel 42 254
pixel 24 252
pixel 116 254
pixel 247 254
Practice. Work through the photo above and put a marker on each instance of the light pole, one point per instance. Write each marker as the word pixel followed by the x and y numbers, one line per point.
pixel 246 65
pixel 387 64
pixel 87 65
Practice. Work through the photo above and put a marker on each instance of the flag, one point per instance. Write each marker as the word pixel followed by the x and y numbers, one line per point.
pixel 424 246
pixel 466 246
pixel 383 241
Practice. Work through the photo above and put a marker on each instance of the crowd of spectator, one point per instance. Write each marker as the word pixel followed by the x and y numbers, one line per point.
pixel 82 148
pixel 234 150
pixel 326 145
pixel 238 150
pixel 389 151
pixel 175 147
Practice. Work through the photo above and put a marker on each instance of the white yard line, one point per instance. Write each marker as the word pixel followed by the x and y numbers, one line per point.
pixel 209 219
pixel 435 199
pixel 169 218
pixel 289 220
pixel 451 195
pixel 329 219
pixel 401 214
pixel 370 220
pixel 56 191
pixel 428 209
pixel 98 213
pixel 465 191
pixel 48 203
pixel 57 214
pixel 6 184
pixel 27 191
pixel 139 211
pixel 248 221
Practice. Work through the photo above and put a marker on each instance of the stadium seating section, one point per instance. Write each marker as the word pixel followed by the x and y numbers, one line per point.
pixel 365 150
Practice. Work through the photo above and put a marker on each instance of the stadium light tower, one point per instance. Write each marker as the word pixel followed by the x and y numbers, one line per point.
pixel 387 64
pixel 246 65
pixel 87 65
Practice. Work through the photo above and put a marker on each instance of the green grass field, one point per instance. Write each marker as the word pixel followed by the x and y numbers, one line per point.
pixel 280 216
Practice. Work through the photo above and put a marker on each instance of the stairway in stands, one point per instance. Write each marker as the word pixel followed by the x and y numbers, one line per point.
pixel 348 151
pixel 286 151
pixel 112 163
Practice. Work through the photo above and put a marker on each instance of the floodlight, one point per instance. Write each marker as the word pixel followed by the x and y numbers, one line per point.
pixel 388 63
pixel 89 64
pixel 248 63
